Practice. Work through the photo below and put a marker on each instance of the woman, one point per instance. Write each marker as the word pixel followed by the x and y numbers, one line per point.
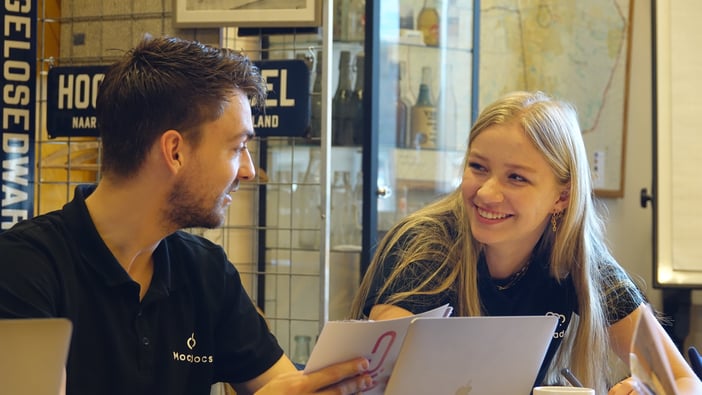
pixel 521 236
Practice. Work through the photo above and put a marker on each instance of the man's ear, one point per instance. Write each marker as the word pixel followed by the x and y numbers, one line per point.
pixel 171 148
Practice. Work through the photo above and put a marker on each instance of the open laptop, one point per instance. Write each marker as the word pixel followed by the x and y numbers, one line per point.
pixel 471 355
pixel 33 354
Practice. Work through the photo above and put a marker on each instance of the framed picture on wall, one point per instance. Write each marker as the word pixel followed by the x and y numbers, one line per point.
pixel 247 13
pixel 576 53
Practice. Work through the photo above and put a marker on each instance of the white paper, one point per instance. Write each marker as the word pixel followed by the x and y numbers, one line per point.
pixel 378 341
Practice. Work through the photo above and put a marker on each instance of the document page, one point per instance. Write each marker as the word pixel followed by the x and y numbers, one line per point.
pixel 379 341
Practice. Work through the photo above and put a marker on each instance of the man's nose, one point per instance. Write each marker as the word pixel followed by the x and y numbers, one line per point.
pixel 247 170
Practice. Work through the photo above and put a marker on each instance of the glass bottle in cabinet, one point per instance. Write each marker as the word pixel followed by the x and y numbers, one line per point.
pixel 309 196
pixel 357 102
pixel 342 221
pixel 402 106
pixel 448 113
pixel 301 351
pixel 356 20
pixel 349 20
pixel 316 101
pixel 428 23
pixel 343 107
pixel 423 123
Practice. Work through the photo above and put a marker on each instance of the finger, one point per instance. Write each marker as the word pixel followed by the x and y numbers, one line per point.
pixel 336 373
pixel 349 386
pixel 623 388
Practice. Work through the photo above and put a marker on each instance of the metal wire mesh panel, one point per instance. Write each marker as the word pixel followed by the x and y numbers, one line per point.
pixel 262 230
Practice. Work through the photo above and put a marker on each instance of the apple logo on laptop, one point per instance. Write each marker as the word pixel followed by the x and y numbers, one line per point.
pixel 464 389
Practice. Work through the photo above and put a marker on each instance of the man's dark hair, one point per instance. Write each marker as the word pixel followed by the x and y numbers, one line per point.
pixel 167 83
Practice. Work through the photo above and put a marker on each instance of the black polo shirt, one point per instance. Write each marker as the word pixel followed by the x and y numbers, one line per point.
pixel 195 326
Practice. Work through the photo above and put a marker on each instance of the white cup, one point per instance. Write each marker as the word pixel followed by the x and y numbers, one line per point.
pixel 562 390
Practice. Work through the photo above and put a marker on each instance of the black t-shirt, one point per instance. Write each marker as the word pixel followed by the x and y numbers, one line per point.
pixel 195 326
pixel 537 293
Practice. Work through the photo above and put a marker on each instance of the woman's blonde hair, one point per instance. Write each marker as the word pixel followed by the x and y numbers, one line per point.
pixel 439 232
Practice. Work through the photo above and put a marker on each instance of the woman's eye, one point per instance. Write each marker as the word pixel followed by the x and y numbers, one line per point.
pixel 518 178
pixel 476 166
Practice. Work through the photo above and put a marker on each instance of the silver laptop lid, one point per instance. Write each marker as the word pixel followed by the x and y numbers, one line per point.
pixel 33 354
pixel 472 355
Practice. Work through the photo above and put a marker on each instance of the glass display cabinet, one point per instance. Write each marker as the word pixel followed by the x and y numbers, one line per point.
pixel 422 101
pixel 392 96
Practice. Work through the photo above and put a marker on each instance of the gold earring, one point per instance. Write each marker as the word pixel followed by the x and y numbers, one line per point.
pixel 554 220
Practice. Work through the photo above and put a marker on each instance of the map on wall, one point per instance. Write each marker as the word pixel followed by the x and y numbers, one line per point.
pixel 577 51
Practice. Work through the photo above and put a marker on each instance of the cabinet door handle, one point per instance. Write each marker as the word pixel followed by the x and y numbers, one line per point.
pixel 384 192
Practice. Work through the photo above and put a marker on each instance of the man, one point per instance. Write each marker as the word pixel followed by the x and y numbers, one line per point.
pixel 156 310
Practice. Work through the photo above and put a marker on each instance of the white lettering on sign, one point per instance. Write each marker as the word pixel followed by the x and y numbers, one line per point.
pixel 18 72
pixel 21 24
pixel 14 170
pixel 78 91
pixel 15 6
pixel 84 122
pixel 266 121
pixel 277 81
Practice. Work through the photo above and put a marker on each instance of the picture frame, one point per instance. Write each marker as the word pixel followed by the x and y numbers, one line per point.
pixel 247 13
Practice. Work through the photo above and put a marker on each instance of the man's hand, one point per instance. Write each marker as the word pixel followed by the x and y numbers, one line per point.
pixel 343 378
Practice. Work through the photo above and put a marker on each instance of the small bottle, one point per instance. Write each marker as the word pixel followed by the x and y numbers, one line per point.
pixel 311 193
pixel 343 108
pixel 428 23
pixel 309 62
pixel 357 100
pixel 356 20
pixel 405 88
pixel 402 203
pixel 453 19
pixel 301 353
pixel 341 210
pixel 284 209
pixel 402 106
pixel 315 131
pixel 447 129
pixel 357 214
pixel 406 16
pixel 339 29
pixel 423 122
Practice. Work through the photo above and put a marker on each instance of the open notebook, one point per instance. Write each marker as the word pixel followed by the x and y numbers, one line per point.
pixel 33 354
pixel 440 355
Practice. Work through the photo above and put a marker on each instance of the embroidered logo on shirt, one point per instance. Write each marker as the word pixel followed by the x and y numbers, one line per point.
pixel 560 316
pixel 561 321
pixel 192 358
pixel 191 341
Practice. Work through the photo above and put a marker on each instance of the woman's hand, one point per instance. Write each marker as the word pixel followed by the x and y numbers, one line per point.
pixel 343 378
pixel 624 387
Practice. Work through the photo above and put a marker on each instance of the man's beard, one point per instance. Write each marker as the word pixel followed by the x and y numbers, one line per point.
pixel 189 210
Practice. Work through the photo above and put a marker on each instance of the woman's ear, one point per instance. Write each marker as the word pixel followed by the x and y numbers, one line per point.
pixel 171 146
pixel 563 199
